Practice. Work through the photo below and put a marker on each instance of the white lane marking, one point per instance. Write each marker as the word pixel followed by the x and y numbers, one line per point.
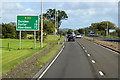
pixel 101 73
pixel 50 64
pixel 83 47
pixel 106 48
pixel 63 43
pixel 86 51
pixel 88 54
pixel 93 61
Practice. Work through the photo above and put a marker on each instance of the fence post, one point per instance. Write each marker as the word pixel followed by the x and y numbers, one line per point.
pixel 8 47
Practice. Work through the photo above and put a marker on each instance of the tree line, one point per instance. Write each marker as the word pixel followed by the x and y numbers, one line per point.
pixel 99 29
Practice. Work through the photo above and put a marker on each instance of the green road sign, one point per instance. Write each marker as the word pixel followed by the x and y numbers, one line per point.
pixel 27 23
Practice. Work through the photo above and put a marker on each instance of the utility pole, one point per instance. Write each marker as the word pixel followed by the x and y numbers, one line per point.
pixel 55 21
pixel 41 24
pixel 107 30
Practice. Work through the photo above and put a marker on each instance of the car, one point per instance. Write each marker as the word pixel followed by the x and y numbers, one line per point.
pixel 92 34
pixel 78 36
pixel 71 38
pixel 68 35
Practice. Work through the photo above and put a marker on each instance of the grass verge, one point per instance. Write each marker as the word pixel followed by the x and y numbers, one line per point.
pixel 111 37
pixel 46 57
pixel 53 38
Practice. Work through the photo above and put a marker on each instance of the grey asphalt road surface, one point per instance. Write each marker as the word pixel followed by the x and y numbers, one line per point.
pixel 106 60
pixel 71 63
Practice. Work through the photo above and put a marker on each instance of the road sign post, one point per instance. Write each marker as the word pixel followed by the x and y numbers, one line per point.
pixel 27 23
pixel 34 38
pixel 20 39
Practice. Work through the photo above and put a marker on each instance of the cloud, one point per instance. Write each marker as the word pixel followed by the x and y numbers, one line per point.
pixel 61 0
pixel 29 10
pixel 11 6
pixel 81 14
pixel 10 10
pixel 19 6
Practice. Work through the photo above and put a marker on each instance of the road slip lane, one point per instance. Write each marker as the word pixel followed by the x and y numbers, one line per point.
pixel 106 60
pixel 72 63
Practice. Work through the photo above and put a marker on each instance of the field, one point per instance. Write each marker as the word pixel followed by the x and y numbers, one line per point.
pixel 12 56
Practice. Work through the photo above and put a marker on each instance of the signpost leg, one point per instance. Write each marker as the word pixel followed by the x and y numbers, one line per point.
pixel 34 38
pixel 20 39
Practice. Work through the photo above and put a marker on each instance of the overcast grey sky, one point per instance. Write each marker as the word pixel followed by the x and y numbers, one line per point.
pixel 81 14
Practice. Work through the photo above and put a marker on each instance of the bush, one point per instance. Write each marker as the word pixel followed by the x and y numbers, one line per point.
pixel 8 31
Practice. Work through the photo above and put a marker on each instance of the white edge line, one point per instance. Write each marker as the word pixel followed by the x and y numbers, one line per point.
pixel 93 61
pixel 63 43
pixel 106 48
pixel 50 64
pixel 86 51
pixel 88 54
pixel 101 73
pixel 83 47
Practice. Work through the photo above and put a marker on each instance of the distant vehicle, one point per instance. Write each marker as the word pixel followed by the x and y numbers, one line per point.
pixel 82 34
pixel 71 38
pixel 73 34
pixel 64 34
pixel 68 35
pixel 92 34
pixel 78 35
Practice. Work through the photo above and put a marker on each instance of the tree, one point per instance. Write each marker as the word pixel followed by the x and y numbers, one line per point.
pixel 8 31
pixel 76 31
pixel 81 31
pixel 61 32
pixel 100 28
pixel 69 31
pixel 50 15
pixel 23 34
pixel 118 32
pixel 48 27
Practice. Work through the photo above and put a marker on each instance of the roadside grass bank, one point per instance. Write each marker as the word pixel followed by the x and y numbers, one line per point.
pixel 46 57
pixel 15 60
pixel 111 45
pixel 111 37
pixel 13 56
pixel 54 38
